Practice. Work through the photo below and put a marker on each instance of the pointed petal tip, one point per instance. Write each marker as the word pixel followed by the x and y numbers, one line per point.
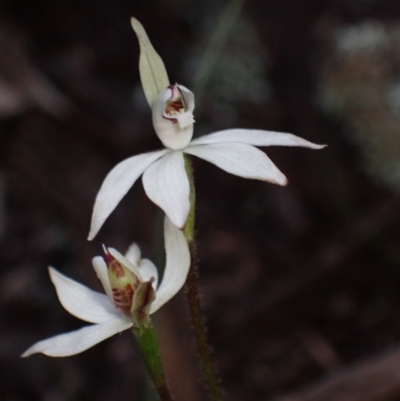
pixel 31 351
pixel 137 26
pixel 52 273
pixel 135 23
pixel 282 181
pixel 317 146
pixel 92 233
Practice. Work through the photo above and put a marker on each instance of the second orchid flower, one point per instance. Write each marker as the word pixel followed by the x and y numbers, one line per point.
pixel 132 294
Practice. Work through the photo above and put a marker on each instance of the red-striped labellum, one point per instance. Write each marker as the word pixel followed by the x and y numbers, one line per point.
pixel 131 296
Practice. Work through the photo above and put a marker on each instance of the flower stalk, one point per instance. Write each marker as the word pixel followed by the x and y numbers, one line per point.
pixel 188 230
pixel 195 308
pixel 150 350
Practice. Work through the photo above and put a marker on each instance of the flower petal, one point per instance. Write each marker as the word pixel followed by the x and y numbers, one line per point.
pixel 116 185
pixel 256 138
pixel 241 160
pixel 80 340
pixel 146 267
pixel 152 70
pixel 100 267
pixel 177 265
pixel 148 270
pixel 81 301
pixel 133 254
pixel 167 185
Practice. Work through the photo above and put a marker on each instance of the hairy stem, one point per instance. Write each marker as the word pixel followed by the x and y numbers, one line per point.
pixel 195 307
pixel 148 344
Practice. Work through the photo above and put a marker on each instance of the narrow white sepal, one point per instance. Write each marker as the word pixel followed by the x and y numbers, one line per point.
pixel 80 301
pixel 100 268
pixel 177 265
pixel 153 74
pixel 240 159
pixel 116 184
pixel 80 340
pixel 256 138
pixel 167 185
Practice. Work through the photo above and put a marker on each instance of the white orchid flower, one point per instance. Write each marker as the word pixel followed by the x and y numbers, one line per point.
pixel 164 177
pixel 131 290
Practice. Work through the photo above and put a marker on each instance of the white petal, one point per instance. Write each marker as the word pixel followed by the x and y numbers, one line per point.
pixel 177 265
pixel 167 185
pixel 152 70
pixel 100 267
pixel 241 160
pixel 133 254
pixel 146 267
pixel 148 270
pixel 81 301
pixel 124 261
pixel 80 340
pixel 256 138
pixel 116 185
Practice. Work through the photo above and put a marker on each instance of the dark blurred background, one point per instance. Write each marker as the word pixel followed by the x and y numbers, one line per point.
pixel 300 284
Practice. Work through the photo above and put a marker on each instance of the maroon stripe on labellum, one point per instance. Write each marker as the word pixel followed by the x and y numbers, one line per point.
pixel 173 120
pixel 123 299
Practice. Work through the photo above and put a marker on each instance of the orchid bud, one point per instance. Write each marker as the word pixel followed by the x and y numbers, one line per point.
pixel 173 116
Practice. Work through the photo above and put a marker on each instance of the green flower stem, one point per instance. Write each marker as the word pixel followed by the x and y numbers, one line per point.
pixel 195 307
pixel 148 344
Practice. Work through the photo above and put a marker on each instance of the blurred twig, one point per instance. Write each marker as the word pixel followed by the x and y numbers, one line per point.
pixel 215 45
pixel 374 379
